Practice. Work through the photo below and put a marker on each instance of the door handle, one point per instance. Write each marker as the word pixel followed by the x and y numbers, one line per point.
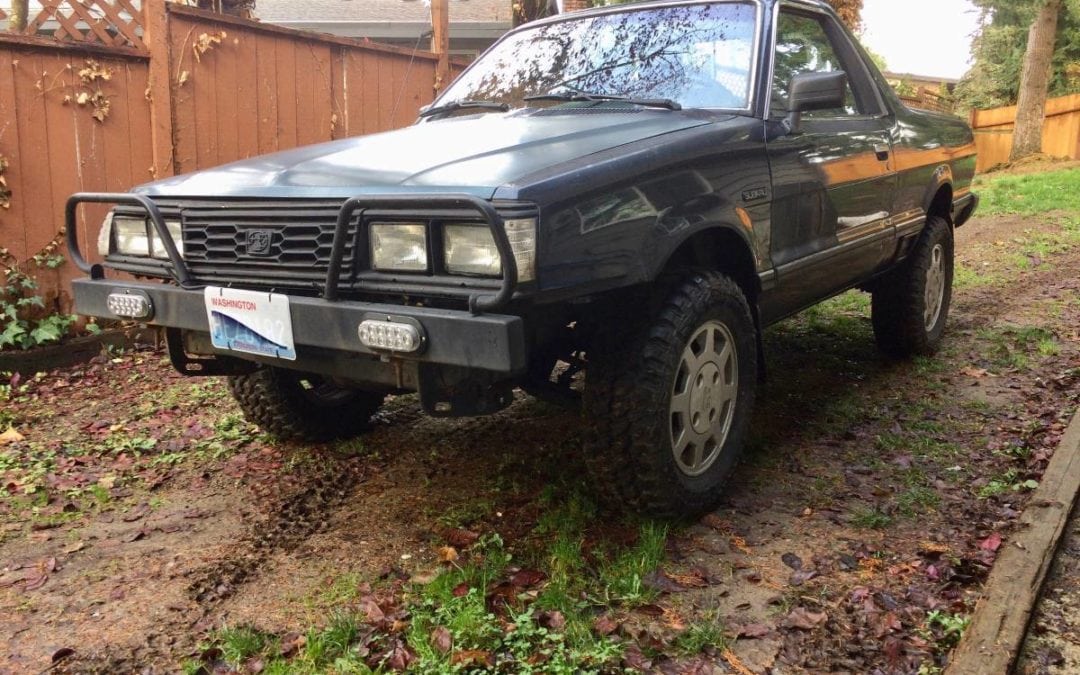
pixel 882 152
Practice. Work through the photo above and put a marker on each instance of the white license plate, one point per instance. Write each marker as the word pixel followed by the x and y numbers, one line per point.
pixel 250 322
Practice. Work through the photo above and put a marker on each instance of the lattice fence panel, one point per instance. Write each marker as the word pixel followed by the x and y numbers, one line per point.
pixel 115 23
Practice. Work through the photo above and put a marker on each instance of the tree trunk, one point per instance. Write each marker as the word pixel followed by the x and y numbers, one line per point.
pixel 1035 81
pixel 18 19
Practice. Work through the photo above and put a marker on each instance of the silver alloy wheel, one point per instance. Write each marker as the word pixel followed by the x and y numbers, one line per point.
pixel 703 398
pixel 935 287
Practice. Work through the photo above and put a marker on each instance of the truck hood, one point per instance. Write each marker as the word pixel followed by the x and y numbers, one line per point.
pixel 475 154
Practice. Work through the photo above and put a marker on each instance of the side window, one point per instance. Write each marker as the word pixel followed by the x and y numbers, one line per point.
pixel 804 46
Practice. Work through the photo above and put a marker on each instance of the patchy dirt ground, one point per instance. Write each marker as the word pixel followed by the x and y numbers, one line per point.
pixel 138 512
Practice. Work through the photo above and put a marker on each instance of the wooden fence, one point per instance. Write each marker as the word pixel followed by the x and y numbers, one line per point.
pixel 994 131
pixel 927 99
pixel 98 106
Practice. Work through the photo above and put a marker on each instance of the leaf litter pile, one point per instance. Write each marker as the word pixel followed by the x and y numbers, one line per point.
pixel 145 526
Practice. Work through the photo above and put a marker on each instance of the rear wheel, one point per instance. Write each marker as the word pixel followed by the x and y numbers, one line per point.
pixel 911 306
pixel 671 406
pixel 303 406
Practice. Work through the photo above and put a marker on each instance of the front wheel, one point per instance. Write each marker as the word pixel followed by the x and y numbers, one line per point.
pixel 670 406
pixel 910 307
pixel 293 405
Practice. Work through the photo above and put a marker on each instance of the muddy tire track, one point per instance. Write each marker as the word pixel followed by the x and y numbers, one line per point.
pixel 296 507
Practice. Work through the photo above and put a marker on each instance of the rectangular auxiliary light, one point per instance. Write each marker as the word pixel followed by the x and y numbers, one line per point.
pixel 390 336
pixel 130 305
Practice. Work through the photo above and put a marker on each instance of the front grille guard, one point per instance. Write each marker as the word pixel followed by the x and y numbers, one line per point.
pixel 478 303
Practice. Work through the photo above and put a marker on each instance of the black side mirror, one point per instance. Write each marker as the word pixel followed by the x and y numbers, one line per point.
pixel 814 91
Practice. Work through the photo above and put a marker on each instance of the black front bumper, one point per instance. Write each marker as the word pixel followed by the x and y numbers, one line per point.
pixel 489 342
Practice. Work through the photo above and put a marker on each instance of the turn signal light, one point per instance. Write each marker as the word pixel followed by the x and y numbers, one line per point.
pixel 389 336
pixel 129 305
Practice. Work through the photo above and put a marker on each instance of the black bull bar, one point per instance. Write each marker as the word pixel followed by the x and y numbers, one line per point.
pixel 182 275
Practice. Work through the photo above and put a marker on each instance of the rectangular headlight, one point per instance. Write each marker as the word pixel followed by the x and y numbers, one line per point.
pixel 157 248
pixel 131 236
pixel 470 249
pixel 399 247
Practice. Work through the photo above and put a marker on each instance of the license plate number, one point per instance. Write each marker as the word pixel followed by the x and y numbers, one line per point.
pixel 250 322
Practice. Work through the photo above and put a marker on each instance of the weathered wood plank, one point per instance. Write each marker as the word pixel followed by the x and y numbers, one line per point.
pixel 993 640
pixel 13 219
pixel 267 97
pixel 285 58
pixel 159 89
pixel 247 96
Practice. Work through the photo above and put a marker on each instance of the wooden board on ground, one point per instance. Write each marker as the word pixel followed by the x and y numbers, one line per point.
pixel 992 642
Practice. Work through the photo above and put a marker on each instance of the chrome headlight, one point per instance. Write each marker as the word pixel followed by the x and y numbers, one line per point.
pixel 470 248
pixel 399 247
pixel 176 232
pixel 131 237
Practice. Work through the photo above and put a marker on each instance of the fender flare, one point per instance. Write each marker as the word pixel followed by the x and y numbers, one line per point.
pixel 941 178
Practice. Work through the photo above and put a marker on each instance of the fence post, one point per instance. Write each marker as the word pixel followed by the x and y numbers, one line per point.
pixel 156 35
pixel 440 41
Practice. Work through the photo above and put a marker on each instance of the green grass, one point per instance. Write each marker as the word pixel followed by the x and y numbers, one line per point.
pixel 1013 346
pixel 472 606
pixel 701 636
pixel 1032 194
pixel 966 277
pixel 917 500
pixel 870 518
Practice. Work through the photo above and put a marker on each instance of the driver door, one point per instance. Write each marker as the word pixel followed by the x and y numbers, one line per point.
pixel 833 178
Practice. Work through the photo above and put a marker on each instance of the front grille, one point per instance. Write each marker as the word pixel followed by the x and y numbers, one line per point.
pixel 285 243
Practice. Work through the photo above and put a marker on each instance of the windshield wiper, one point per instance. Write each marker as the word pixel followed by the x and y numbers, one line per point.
pixel 464 105
pixel 586 96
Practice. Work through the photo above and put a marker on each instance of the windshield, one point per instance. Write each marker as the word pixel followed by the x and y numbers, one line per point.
pixel 697 55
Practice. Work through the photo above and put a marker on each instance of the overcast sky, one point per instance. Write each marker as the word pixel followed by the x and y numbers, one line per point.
pixel 922 37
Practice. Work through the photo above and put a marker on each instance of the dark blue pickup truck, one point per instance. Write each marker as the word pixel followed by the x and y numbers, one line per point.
pixel 605 209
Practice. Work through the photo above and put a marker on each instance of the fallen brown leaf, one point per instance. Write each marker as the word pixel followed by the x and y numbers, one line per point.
pixel 473 657
pixel 371 610
pixel 804 619
pixel 35 581
pixel 291 644
pixel 448 554
pixel 605 625
pixel 400 657
pixel 553 619
pixel 11 436
pixel 527 578
pixel 460 538
pixel 136 513
pixel 442 640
